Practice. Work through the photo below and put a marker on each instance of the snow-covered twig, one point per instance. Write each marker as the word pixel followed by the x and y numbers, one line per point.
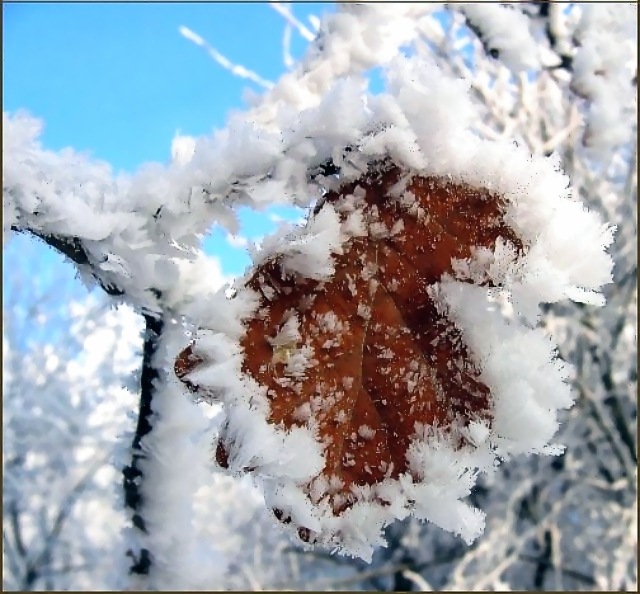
pixel 235 69
pixel 286 47
pixel 285 12
pixel 418 580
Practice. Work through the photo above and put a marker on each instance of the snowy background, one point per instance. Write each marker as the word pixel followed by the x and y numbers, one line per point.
pixel 130 84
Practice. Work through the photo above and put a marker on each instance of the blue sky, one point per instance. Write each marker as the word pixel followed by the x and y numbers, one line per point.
pixel 118 81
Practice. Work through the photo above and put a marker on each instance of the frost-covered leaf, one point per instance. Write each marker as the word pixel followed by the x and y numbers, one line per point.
pixel 376 372
pixel 358 348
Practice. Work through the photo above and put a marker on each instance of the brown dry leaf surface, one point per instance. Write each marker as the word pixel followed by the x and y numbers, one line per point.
pixel 383 358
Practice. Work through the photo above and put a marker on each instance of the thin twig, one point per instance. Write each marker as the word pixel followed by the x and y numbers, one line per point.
pixel 287 15
pixel 418 580
pixel 235 69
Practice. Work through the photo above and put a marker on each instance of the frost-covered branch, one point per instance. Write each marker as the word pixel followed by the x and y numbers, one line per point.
pixel 504 34
pixel 555 31
pixel 72 248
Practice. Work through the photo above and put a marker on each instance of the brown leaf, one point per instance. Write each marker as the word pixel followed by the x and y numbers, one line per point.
pixel 384 360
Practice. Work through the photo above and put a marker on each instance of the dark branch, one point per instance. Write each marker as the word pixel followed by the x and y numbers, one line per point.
pixel 572 573
pixel 72 248
pixel 17 531
pixel 544 562
pixel 477 31
pixel 132 474
pixel 68 246
pixel 544 13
